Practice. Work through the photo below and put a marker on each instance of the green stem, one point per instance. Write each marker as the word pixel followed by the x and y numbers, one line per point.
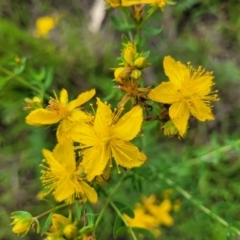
pixel 108 201
pixel 126 22
pixel 213 154
pixel 21 80
pixel 53 209
pixel 198 204
pixel 124 221
pixel 150 13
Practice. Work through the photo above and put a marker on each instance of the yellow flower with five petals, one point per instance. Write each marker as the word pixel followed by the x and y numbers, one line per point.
pixel 109 137
pixel 61 110
pixel 62 177
pixel 188 92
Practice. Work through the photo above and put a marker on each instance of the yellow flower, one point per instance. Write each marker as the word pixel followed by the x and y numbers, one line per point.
pixel 22 222
pixel 160 212
pixel 62 177
pixel 61 109
pixel 44 25
pixel 188 92
pixel 108 137
pixel 142 220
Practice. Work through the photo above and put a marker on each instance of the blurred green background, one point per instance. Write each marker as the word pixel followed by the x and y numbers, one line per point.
pixel 206 163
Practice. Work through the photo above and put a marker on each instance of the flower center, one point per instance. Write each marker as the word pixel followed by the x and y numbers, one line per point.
pixel 58 107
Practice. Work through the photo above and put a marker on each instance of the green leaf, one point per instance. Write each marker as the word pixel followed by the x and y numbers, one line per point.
pixel 124 209
pixel 38 76
pixel 121 230
pixel 117 224
pixel 87 229
pixel 152 31
pixel 3 82
pixel 78 210
pixel 125 39
pixel 49 78
pixel 90 214
pixel 47 223
pixel 144 232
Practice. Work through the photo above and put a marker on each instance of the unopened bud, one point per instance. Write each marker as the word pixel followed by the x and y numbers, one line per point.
pixel 121 73
pixel 22 222
pixel 140 62
pixel 136 74
pixel 169 129
pixel 70 231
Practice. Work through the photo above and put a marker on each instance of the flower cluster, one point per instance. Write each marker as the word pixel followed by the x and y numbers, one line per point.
pixel 91 143
pixel 101 138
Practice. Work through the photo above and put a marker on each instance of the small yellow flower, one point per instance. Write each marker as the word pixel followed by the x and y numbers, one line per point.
pixel 22 222
pixel 188 91
pixel 61 109
pixel 44 25
pixel 160 212
pixel 142 220
pixel 62 177
pixel 109 137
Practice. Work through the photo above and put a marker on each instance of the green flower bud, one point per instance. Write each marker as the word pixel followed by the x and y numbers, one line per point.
pixel 22 222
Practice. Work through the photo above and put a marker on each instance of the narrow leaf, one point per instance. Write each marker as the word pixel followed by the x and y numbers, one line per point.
pixel 117 224
pixel 47 224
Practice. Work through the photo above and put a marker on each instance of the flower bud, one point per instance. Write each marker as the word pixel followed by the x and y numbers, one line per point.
pixel 136 74
pixel 22 222
pixel 121 73
pixel 70 231
pixel 140 62
pixel 169 129
pixel 129 53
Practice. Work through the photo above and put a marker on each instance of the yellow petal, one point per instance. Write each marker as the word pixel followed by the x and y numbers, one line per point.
pixel 81 99
pixel 103 117
pixel 58 220
pixel 176 71
pixel 180 114
pixel 95 160
pixel 64 190
pixel 89 192
pixel 129 124
pixel 64 154
pixel 77 115
pixel 126 154
pixel 203 84
pixel 83 133
pixel 166 92
pixel 51 161
pixel 64 97
pixel 200 110
pixel 63 130
pixel 40 117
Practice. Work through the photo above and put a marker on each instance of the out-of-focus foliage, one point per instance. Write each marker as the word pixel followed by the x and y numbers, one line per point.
pixel 206 164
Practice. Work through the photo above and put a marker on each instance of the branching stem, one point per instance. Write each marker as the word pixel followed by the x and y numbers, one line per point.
pixel 198 204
